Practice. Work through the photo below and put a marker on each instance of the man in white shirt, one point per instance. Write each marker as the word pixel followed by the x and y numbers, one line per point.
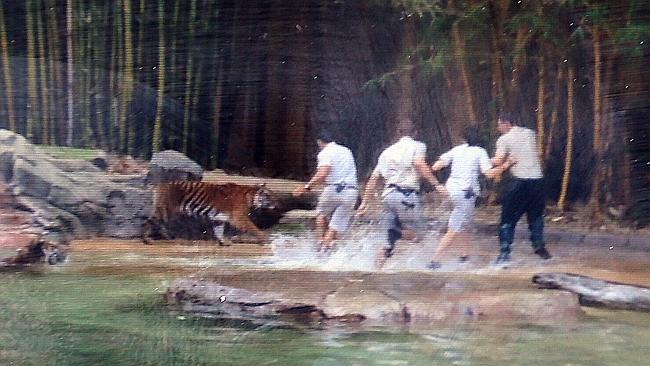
pixel 337 170
pixel 468 160
pixel 400 166
pixel 526 191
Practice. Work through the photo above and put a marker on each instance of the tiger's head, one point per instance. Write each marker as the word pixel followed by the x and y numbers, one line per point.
pixel 264 198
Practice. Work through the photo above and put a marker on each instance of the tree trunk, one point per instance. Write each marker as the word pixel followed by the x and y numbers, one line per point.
pixel 113 123
pixel 541 96
pixel 121 81
pixel 597 140
pixel 459 55
pixel 55 77
pixel 32 104
pixel 556 107
pixel 143 10
pixel 157 129
pixel 69 87
pixel 497 77
pixel 569 140
pixel 85 136
pixel 172 133
pixel 95 58
pixel 519 61
pixel 188 79
pixel 6 70
pixel 128 75
pixel 44 89
pixel 216 115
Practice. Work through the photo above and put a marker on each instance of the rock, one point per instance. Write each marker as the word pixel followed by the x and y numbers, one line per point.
pixel 366 303
pixel 75 165
pixel 101 162
pixel 381 300
pixel 170 165
pixel 50 217
pixel 532 307
pixel 204 297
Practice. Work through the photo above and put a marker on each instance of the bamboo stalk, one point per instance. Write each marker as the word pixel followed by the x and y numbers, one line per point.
pixel 6 70
pixel 157 130
pixel 32 84
pixel 69 48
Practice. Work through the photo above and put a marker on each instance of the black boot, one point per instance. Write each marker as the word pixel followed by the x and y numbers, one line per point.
pixel 543 253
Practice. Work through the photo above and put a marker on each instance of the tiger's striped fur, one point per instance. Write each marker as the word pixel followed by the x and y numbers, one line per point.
pixel 220 203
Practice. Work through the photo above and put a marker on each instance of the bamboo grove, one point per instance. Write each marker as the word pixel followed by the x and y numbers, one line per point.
pixel 243 85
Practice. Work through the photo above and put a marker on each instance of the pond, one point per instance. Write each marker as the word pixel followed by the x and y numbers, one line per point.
pixel 106 306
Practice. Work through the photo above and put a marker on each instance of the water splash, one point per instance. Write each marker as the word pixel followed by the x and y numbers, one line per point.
pixel 358 250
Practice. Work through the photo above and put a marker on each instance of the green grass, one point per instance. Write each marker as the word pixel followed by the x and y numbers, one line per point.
pixel 70 152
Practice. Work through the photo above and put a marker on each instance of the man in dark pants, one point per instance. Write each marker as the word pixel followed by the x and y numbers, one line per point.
pixel 525 193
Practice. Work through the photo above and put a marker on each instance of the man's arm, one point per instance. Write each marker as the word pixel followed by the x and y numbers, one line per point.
pixel 500 154
pixel 371 188
pixel 321 173
pixel 497 171
pixel 425 172
pixel 438 165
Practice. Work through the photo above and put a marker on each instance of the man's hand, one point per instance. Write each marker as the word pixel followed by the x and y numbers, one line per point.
pixel 300 191
pixel 361 210
pixel 441 188
pixel 510 162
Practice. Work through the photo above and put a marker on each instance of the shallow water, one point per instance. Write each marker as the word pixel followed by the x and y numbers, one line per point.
pixel 106 306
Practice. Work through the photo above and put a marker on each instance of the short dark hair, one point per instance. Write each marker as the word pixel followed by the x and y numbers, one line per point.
pixel 472 135
pixel 506 117
pixel 405 127
pixel 325 135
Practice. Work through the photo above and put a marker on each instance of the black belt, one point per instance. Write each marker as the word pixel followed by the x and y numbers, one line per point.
pixel 405 191
pixel 341 186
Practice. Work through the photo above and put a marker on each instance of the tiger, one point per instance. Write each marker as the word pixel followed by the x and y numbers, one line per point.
pixel 219 203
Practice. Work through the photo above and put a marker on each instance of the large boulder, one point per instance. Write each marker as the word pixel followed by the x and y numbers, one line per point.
pixel 170 165
pixel 11 146
pixel 72 196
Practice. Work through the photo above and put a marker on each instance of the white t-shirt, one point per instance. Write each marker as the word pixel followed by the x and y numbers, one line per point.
pixel 467 162
pixel 341 160
pixel 395 164
pixel 521 144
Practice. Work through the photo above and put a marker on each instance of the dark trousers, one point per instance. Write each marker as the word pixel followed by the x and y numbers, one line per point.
pixel 523 196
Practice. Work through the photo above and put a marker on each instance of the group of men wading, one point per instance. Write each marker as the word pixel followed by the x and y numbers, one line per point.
pixel 402 166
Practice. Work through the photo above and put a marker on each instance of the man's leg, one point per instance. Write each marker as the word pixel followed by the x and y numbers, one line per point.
pixel 326 207
pixel 511 211
pixel 328 239
pixel 321 227
pixel 535 216
pixel 339 222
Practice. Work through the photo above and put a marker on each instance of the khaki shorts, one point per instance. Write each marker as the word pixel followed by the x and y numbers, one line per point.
pixel 463 210
pixel 401 211
pixel 338 207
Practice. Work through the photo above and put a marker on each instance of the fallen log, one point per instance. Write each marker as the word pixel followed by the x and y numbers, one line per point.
pixel 598 293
